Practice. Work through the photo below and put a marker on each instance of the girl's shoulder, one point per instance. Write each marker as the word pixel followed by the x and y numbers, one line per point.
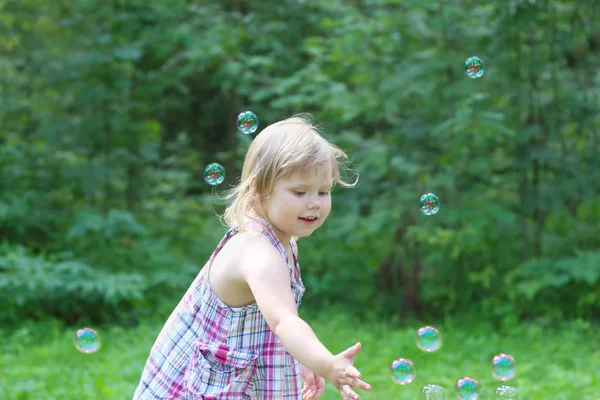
pixel 251 245
pixel 249 238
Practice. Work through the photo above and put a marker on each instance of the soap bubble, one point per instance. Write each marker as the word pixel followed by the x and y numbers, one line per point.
pixel 86 340
pixel 433 392
pixel 214 174
pixel 467 389
pixel 429 204
pixel 247 122
pixel 506 393
pixel 428 339
pixel 474 67
pixel 403 371
pixel 504 367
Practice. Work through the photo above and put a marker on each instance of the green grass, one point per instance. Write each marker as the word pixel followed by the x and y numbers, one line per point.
pixel 39 361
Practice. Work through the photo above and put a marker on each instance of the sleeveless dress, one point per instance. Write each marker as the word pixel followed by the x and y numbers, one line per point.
pixel 208 350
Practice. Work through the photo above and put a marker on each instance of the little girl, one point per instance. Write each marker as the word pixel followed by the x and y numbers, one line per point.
pixel 236 333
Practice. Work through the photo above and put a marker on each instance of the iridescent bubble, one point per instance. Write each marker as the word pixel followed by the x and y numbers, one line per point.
pixel 214 174
pixel 433 392
pixel 467 389
pixel 403 371
pixel 428 339
pixel 247 122
pixel 504 367
pixel 506 393
pixel 474 67
pixel 429 204
pixel 86 340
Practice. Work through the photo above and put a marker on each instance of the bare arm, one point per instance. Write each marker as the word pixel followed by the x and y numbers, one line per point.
pixel 268 277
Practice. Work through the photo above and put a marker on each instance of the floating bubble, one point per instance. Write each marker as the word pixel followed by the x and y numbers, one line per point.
pixel 428 339
pixel 433 392
pixel 429 204
pixel 214 174
pixel 247 122
pixel 403 371
pixel 504 367
pixel 474 67
pixel 506 393
pixel 86 340
pixel 467 389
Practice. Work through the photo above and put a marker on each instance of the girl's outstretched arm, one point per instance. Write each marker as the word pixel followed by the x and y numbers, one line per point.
pixel 267 276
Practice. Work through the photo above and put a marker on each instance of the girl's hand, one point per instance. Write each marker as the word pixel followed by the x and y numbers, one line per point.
pixel 314 385
pixel 344 376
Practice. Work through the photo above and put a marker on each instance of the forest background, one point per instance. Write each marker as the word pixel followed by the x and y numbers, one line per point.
pixel 110 111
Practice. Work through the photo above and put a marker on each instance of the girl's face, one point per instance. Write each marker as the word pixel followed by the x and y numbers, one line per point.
pixel 297 197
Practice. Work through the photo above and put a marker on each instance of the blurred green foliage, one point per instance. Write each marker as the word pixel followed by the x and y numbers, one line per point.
pixel 109 112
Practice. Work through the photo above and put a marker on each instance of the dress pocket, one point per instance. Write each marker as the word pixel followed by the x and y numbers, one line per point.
pixel 218 371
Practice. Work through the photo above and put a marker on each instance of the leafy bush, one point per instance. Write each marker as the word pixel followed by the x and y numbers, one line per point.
pixel 34 286
pixel 110 269
pixel 557 287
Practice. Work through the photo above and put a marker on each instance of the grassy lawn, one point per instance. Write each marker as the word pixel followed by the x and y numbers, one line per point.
pixel 40 362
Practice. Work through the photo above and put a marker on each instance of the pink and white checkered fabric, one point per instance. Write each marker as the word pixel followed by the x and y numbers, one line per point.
pixel 210 351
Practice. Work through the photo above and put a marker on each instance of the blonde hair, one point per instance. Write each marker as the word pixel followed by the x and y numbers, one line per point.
pixel 279 150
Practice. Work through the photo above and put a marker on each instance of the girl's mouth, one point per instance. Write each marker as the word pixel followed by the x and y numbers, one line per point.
pixel 308 221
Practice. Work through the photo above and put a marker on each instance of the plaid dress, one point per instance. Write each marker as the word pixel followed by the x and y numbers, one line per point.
pixel 208 350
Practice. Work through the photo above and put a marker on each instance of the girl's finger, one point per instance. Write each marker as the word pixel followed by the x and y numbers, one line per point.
pixel 321 386
pixel 320 392
pixel 349 393
pixel 361 384
pixel 309 380
pixel 351 382
pixel 353 372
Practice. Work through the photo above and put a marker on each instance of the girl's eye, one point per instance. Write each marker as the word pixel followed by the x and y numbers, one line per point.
pixel 302 193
